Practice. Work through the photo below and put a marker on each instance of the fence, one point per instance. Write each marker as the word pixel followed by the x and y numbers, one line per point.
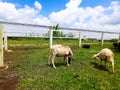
pixel 9 30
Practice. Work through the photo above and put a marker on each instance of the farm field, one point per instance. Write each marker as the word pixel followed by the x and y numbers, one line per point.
pixel 29 69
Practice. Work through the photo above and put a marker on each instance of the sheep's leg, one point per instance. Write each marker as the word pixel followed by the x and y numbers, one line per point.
pixel 50 61
pixel 112 66
pixel 112 62
pixel 105 63
pixel 53 58
pixel 67 61
pixel 100 63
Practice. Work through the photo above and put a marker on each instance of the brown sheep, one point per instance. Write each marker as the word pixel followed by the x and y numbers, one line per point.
pixel 106 55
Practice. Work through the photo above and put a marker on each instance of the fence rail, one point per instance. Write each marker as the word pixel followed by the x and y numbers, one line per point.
pixel 50 36
pixel 4 34
pixel 62 28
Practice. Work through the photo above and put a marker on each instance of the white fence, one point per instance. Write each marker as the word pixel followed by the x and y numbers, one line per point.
pixel 11 29
pixel 30 30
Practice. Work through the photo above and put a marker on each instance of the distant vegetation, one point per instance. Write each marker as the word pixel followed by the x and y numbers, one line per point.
pixel 57 33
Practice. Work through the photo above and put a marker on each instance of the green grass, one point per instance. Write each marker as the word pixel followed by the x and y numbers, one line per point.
pixel 27 41
pixel 83 74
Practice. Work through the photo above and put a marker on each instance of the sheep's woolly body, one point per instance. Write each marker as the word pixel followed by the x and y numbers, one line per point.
pixel 106 55
pixel 60 51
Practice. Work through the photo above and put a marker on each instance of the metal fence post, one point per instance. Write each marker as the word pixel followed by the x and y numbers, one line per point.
pixel 102 39
pixel 80 35
pixel 51 38
pixel 1 46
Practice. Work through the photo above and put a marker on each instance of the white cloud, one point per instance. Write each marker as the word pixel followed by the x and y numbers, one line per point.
pixel 68 15
pixel 114 17
pixel 99 17
pixel 37 5
pixel 41 20
pixel 74 14
pixel 27 14
pixel 7 10
pixel 73 4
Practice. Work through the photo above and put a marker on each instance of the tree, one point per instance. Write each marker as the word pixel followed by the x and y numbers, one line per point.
pixel 56 32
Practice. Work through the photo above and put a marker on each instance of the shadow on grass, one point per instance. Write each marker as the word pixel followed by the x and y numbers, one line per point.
pixel 101 67
pixel 59 64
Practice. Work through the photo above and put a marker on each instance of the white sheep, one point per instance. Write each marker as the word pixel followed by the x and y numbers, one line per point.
pixel 106 55
pixel 60 51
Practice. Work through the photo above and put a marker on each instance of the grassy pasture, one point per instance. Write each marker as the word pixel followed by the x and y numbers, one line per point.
pixel 30 65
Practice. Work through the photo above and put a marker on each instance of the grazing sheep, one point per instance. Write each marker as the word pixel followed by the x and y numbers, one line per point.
pixel 106 55
pixel 60 51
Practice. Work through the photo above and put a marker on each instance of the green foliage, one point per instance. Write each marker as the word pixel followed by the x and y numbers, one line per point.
pixel 114 40
pixel 57 33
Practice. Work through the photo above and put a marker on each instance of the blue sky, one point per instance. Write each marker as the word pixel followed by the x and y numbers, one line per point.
pixel 49 6
pixel 86 14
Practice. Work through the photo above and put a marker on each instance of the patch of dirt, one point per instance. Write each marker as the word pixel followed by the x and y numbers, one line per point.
pixel 8 77
pixel 9 83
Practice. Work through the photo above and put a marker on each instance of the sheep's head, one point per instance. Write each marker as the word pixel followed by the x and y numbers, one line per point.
pixel 96 57
pixel 70 58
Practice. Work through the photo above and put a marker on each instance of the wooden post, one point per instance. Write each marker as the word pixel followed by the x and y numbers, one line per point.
pixel 1 47
pixel 51 38
pixel 80 39
pixel 102 39
pixel 5 41
pixel 119 36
